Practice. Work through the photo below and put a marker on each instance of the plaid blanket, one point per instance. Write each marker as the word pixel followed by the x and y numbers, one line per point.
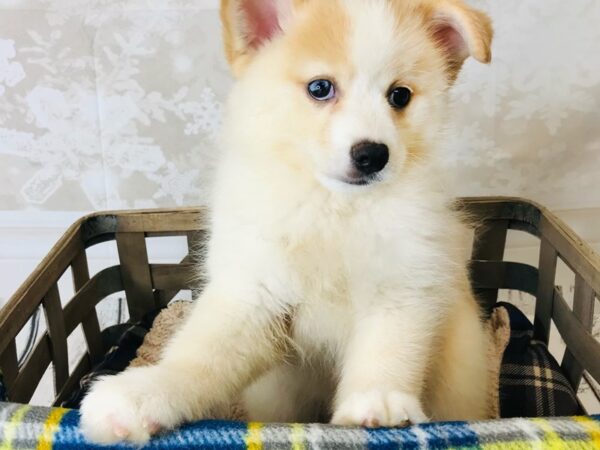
pixel 27 427
pixel 532 383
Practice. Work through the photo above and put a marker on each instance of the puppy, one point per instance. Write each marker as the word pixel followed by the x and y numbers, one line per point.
pixel 338 287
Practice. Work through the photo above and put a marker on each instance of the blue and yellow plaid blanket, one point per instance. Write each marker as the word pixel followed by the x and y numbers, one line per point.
pixel 26 427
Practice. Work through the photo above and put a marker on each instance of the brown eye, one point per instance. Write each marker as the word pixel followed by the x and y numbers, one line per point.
pixel 399 97
pixel 321 90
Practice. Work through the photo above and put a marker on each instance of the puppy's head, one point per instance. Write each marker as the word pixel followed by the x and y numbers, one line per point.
pixel 350 92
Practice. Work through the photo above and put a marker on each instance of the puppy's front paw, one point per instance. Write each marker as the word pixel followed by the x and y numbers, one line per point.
pixel 131 406
pixel 379 409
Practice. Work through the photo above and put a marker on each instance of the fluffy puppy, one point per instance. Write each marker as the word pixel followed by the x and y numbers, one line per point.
pixel 338 287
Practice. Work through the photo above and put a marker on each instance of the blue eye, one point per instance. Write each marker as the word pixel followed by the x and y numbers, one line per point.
pixel 399 97
pixel 321 90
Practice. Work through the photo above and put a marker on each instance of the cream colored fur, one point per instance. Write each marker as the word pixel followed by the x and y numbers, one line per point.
pixel 326 300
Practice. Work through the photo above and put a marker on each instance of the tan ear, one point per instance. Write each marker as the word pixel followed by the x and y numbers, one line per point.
pixel 461 31
pixel 249 24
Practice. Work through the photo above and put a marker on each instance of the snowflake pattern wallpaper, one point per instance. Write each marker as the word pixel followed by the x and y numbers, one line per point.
pixel 116 104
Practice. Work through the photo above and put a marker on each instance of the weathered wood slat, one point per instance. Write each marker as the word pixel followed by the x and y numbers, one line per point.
pixel 583 310
pixel 104 283
pixel 9 364
pixel 135 272
pixel 164 296
pixel 20 307
pixel 488 275
pixel 31 372
pixel 172 277
pixel 579 341
pixel 158 234
pixel 543 304
pixel 80 270
pixel 152 222
pixel 489 243
pixel 578 255
pixel 58 337
pixel 89 321
pixel 520 214
pixel 100 226
pixel 82 368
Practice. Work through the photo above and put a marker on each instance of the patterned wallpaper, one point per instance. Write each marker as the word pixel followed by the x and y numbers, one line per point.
pixel 116 104
pixel 108 104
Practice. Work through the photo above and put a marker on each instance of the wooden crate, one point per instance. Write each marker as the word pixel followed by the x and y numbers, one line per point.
pixel 149 286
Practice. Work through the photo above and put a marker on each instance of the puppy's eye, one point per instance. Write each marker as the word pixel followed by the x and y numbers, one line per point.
pixel 399 97
pixel 321 90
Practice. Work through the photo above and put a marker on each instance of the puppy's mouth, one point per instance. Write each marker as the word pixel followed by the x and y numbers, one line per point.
pixel 356 178
pixel 359 181
pixel 350 181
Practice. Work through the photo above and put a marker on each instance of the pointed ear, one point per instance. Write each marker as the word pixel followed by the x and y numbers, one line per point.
pixel 248 24
pixel 461 31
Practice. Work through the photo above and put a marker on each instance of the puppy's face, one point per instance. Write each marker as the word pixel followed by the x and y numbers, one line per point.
pixel 351 92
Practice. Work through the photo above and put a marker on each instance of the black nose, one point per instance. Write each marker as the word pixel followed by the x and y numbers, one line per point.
pixel 370 157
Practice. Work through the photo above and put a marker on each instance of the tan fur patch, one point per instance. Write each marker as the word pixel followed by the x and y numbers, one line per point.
pixel 475 24
pixel 321 34
pixel 320 31
pixel 232 42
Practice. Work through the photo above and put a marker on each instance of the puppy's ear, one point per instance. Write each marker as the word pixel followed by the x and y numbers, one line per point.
pixel 249 24
pixel 461 31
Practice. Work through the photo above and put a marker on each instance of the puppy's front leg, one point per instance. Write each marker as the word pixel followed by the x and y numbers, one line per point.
pixel 382 376
pixel 230 338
